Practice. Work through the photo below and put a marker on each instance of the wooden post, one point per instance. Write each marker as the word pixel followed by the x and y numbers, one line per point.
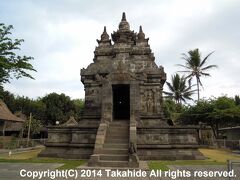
pixel 29 129
pixel 4 127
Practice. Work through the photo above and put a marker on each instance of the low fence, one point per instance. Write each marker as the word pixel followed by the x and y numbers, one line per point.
pixel 221 143
pixel 20 143
pixel 230 144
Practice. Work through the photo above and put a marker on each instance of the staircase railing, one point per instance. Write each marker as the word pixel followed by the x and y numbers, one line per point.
pixel 133 157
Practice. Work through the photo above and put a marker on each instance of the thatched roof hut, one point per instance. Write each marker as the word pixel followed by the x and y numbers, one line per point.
pixel 8 121
pixel 7 115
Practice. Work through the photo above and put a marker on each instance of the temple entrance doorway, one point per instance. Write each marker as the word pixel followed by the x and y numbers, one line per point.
pixel 121 102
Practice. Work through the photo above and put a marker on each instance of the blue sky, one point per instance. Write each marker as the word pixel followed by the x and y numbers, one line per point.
pixel 61 36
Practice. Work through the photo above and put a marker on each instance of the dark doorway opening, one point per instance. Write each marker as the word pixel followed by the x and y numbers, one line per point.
pixel 121 101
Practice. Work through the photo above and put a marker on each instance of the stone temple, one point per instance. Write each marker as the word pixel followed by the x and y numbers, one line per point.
pixel 123 120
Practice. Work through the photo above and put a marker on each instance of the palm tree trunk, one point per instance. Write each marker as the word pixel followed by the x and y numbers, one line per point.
pixel 198 88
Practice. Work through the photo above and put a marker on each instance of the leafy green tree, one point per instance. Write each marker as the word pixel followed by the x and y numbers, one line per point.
pixel 225 113
pixel 11 64
pixel 9 99
pixel 178 89
pixel 27 106
pixel 218 112
pixel 196 67
pixel 172 110
pixel 1 92
pixel 59 107
pixel 35 126
pixel 223 102
pixel 237 100
pixel 49 109
pixel 79 105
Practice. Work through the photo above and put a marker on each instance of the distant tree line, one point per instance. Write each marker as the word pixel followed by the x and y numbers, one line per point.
pixel 48 109
pixel 215 112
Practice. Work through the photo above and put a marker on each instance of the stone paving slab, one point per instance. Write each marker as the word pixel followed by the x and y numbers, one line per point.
pixel 203 168
pixel 10 171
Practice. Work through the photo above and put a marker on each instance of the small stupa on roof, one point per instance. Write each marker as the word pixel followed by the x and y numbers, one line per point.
pixel 71 122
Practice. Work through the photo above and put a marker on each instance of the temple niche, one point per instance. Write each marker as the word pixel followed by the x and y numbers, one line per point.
pixel 123 118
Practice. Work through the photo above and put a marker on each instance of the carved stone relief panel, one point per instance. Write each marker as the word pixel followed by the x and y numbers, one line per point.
pixel 93 98
pixel 148 100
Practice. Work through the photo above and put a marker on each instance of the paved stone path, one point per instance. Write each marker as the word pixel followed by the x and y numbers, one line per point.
pixel 207 168
pixel 11 171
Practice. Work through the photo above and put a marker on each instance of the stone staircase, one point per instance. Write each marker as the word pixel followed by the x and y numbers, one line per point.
pixel 115 149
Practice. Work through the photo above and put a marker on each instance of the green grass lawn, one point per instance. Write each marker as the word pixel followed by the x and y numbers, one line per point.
pixel 31 157
pixel 219 155
pixel 215 157
pixel 21 155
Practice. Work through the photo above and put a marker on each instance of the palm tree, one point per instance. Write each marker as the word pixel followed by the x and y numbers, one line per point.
pixel 196 67
pixel 179 91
